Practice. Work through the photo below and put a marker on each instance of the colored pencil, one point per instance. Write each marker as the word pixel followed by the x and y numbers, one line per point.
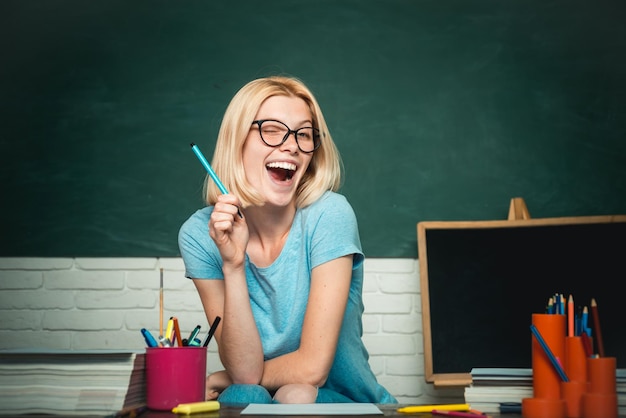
pixel 596 325
pixel 551 357
pixel 570 316
pixel 586 344
pixel 584 320
pixel 179 340
pixel 161 304
pixel 211 172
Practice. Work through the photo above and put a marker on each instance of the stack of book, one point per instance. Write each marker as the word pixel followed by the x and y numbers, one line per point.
pixel 70 382
pixel 620 376
pixel 494 386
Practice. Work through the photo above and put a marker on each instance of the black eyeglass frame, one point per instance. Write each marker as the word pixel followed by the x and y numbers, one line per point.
pixel 316 135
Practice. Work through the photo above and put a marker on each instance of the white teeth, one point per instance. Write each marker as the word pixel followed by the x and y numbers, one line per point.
pixel 283 165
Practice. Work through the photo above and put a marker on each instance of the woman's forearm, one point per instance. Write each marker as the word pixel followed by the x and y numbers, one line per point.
pixel 241 351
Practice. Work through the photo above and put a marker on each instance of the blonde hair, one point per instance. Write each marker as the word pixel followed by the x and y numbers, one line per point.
pixel 324 172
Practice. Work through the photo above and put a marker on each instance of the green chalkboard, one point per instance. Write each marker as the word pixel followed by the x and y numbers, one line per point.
pixel 442 109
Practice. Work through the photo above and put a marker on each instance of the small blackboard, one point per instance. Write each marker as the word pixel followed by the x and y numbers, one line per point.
pixel 481 281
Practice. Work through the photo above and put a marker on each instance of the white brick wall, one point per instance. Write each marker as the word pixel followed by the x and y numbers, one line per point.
pixel 102 303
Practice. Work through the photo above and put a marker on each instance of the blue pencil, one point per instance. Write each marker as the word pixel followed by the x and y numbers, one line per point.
pixel 208 168
pixel 212 173
pixel 549 353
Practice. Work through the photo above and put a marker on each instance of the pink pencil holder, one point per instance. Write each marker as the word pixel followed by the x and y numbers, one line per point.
pixel 175 375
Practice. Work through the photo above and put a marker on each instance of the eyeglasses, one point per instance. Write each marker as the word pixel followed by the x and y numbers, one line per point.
pixel 274 133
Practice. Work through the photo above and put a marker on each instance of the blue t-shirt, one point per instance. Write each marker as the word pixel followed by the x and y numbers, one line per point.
pixel 323 231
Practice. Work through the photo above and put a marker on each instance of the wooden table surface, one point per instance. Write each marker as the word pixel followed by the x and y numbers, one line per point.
pixel 235 412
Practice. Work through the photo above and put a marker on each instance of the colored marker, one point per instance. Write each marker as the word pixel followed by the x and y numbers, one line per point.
pixel 195 343
pixel 211 331
pixel 169 331
pixel 549 353
pixel 212 173
pixel 430 408
pixel 149 338
pixel 193 334
pixel 195 407
pixel 164 341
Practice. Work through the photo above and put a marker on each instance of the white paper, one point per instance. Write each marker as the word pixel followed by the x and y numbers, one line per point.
pixel 312 409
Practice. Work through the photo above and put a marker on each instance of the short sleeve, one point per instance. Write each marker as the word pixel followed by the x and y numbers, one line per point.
pixel 335 232
pixel 199 252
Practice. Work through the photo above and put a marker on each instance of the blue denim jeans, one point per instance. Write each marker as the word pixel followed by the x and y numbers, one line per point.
pixel 239 395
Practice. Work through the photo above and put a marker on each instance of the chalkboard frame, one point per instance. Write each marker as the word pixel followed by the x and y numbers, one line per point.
pixel 463 378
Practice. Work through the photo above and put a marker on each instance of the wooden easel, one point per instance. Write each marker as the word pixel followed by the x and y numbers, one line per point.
pixel 518 210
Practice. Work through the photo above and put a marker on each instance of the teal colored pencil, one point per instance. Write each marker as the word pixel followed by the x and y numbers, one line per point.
pixel 211 172
pixel 549 353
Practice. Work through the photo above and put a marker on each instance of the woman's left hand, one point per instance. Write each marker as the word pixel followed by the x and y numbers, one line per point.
pixel 216 383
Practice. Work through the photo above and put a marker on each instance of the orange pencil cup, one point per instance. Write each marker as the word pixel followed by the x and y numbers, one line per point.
pixel 546 401
pixel 575 359
pixel 576 369
pixel 601 399
pixel 175 375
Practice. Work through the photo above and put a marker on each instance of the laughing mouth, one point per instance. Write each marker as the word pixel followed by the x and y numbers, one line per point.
pixel 281 170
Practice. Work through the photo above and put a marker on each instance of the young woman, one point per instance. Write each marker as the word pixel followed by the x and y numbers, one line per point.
pixel 279 257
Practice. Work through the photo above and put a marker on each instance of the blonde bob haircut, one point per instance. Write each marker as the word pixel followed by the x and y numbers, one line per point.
pixel 324 172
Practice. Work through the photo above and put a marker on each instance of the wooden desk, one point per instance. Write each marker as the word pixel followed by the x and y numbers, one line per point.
pixel 235 412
